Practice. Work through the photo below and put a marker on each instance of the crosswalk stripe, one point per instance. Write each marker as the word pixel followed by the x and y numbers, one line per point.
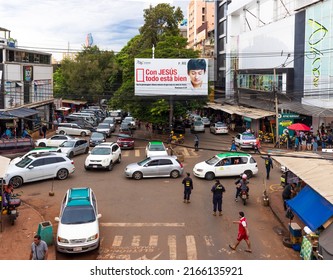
pixel 209 241
pixel 137 153
pixel 153 240
pixel 191 248
pixel 125 153
pixel 172 247
pixel 136 240
pixel 117 241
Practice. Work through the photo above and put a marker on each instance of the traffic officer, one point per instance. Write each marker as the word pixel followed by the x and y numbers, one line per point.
pixel 217 190
pixel 188 187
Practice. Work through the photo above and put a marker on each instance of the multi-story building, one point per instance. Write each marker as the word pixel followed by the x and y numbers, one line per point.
pixel 277 53
pixel 26 79
pixel 201 26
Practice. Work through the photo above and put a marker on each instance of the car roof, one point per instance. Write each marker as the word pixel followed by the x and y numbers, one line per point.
pixel 162 157
pixel 156 143
pixel 232 154
pixel 106 144
pixel 46 154
pixel 78 196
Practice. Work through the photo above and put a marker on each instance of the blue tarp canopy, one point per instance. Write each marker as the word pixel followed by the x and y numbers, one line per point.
pixel 311 208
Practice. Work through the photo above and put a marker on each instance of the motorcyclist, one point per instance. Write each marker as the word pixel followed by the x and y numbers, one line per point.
pixel 242 185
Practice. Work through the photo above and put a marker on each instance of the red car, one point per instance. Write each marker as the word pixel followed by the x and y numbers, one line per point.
pixel 125 141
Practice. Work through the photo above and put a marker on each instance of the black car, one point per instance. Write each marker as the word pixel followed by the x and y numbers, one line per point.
pixel 179 127
pixel 97 138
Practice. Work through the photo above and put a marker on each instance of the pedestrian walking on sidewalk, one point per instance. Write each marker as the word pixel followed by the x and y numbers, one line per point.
pixel 39 249
pixel 188 187
pixel 217 190
pixel 243 233
pixel 196 142
pixel 268 165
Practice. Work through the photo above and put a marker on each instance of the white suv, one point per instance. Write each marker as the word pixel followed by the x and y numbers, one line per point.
pixel 103 156
pixel 72 129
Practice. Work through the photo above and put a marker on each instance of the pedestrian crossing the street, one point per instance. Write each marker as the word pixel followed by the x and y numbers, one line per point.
pixel 170 247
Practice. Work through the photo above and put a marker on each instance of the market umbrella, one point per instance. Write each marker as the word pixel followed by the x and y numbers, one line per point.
pixel 299 126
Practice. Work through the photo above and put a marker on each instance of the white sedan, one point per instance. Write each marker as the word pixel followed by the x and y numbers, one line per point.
pixel 245 140
pixel 54 141
pixel 219 128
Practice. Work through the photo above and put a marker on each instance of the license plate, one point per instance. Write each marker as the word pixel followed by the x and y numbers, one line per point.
pixel 77 249
pixel 94 166
pixel 125 145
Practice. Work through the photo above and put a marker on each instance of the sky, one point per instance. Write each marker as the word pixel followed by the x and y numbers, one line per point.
pixel 59 25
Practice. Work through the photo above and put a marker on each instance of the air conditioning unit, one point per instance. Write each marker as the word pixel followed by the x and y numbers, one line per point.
pixel 3 42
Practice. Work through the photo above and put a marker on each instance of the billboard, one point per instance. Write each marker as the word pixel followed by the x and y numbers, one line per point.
pixel 160 77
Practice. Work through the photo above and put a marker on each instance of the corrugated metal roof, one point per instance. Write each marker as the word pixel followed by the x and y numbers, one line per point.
pixel 307 110
pixel 314 170
pixel 17 113
pixel 252 113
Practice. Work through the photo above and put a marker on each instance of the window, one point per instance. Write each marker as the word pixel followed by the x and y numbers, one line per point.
pixel 165 162
pixel 60 159
pixel 153 163
pixel 115 148
pixel 37 163
pixel 243 160
pixel 50 160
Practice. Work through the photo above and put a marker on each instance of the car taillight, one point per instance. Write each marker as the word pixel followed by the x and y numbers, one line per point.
pixel 181 165
pixel 72 162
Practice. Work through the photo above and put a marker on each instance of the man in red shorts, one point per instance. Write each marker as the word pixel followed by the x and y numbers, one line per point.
pixel 243 233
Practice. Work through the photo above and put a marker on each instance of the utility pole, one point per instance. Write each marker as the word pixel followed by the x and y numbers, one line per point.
pixel 235 82
pixel 277 138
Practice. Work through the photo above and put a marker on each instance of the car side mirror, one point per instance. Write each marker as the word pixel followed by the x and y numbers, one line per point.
pixel 30 167
pixel 89 152
pixel 57 219
pixel 99 216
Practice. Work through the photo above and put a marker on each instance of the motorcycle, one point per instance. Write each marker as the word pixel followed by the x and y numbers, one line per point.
pixel 244 196
pixel 10 208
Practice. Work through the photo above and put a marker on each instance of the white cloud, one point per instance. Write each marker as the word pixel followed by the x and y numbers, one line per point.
pixel 57 24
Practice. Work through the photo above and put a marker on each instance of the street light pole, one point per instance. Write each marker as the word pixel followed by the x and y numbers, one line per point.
pixel 277 138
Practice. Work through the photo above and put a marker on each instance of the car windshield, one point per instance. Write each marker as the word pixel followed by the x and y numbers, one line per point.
pixel 249 137
pixel 198 123
pixel 122 136
pixel 213 160
pixel 103 125
pixel 156 148
pixel 220 125
pixel 67 144
pixel 74 215
pixel 97 136
pixel 101 151
pixel 24 162
pixel 143 162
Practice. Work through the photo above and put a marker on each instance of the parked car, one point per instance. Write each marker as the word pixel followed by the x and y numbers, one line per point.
pixel 131 121
pixel 53 141
pixel 81 122
pixel 39 167
pixel 35 151
pixel 112 122
pixel 104 128
pixel 179 128
pixel 125 128
pixel 205 121
pixel 245 140
pixel 155 166
pixel 125 141
pixel 103 156
pixel 219 128
pixel 226 164
pixel 156 148
pixel 78 222
pixel 74 147
pixel 97 138
pixel 198 126
pixel 72 129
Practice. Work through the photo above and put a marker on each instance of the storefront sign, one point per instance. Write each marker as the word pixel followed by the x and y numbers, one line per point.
pixel 289 116
pixel 247 119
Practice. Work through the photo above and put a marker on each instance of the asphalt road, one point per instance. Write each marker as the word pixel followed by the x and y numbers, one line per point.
pixel 147 219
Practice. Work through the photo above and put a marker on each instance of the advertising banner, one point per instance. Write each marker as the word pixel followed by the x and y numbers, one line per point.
pixel 160 77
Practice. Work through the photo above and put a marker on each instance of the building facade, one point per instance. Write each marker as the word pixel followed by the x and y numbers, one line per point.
pixel 26 92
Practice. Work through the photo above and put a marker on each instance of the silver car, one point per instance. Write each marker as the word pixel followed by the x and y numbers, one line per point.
pixel 74 147
pixel 157 166
pixel 104 128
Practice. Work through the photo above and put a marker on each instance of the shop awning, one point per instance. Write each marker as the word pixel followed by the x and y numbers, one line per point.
pixel 311 208
pixel 315 171
pixel 307 110
pixel 17 113
pixel 252 113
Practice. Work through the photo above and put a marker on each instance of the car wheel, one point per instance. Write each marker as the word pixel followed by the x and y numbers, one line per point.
pixel 86 168
pixel 174 174
pixel 287 242
pixel 86 151
pixel 71 155
pixel 119 159
pixel 41 145
pixel 248 173
pixel 62 174
pixel 137 175
pixel 110 167
pixel 209 176
pixel 83 134
pixel 62 132
pixel 16 182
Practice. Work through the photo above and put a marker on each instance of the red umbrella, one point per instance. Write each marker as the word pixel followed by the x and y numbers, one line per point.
pixel 299 126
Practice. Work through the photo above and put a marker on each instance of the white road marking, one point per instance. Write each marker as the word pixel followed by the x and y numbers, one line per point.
pixel 191 248
pixel 153 240
pixel 172 247
pixel 117 241
pixel 142 224
pixel 136 240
